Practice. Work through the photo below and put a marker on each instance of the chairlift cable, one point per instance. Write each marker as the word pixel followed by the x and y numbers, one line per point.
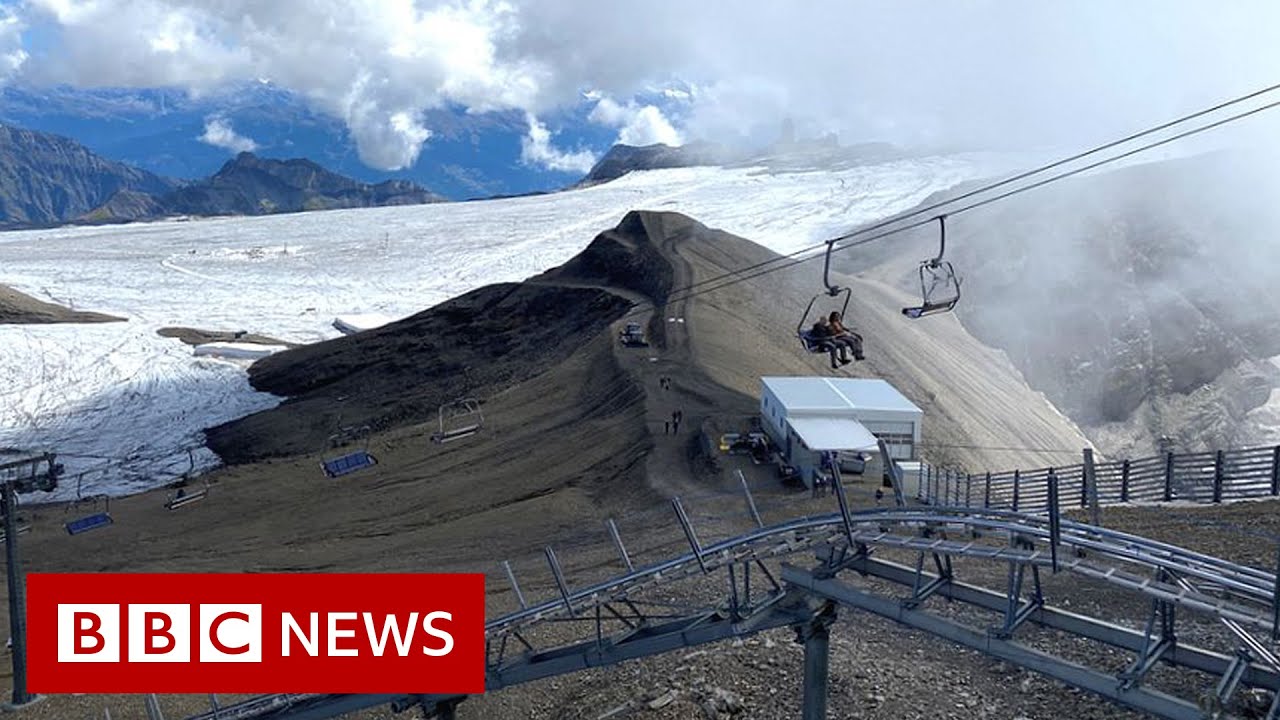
pixel 792 259
pixel 998 184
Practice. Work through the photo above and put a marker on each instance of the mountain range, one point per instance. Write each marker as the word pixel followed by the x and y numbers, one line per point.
pixel 47 180
pixel 163 131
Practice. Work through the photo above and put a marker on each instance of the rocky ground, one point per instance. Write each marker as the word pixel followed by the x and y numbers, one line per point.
pixel 18 308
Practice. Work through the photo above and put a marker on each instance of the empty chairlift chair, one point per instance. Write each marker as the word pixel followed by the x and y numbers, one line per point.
pixel 92 521
pixel 347 463
pixel 22 530
pixel 459 419
pixel 633 335
pixel 182 497
pixel 939 286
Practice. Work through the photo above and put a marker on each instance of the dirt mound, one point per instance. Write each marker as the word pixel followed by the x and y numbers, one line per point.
pixel 627 257
pixel 17 308
pixel 475 345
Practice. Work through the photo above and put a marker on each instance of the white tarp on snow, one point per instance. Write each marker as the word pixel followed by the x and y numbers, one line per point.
pixel 821 434
pixel 239 351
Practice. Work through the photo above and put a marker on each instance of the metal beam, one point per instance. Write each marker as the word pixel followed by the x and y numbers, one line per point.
pixel 751 502
pixel 1141 699
pixel 17 595
pixel 617 543
pixel 511 576
pixel 1181 654
pixel 329 706
pixel 650 640
pixel 689 534
pixel 815 636
pixel 559 577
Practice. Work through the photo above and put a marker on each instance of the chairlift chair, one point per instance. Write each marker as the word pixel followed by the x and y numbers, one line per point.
pixel 182 498
pixel 93 521
pixel 458 419
pixel 939 286
pixel 633 335
pixel 22 530
pixel 349 462
pixel 807 340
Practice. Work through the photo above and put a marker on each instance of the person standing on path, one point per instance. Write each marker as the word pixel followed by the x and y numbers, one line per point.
pixel 675 421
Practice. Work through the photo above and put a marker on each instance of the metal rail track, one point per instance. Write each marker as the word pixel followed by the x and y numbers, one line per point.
pixel 1165 576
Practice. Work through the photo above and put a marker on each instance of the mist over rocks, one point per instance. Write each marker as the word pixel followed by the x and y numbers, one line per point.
pixel 1141 301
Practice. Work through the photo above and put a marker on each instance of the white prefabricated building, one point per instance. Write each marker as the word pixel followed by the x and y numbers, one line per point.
pixel 806 416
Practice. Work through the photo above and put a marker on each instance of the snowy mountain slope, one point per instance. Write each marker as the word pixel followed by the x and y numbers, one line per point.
pixel 123 391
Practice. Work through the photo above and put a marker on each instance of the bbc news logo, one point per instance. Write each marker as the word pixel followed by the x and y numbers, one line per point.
pixel 334 633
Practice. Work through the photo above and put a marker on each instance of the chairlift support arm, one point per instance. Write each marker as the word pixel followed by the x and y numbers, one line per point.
pixel 942 241
pixel 832 289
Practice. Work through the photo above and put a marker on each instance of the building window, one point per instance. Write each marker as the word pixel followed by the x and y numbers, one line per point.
pixel 895 438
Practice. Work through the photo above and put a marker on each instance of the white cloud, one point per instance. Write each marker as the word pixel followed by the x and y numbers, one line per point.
pixel 638 124
pixel 536 149
pixel 970 71
pixel 219 133
pixel 12 54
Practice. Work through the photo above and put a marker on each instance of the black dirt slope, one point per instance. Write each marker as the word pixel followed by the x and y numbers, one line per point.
pixel 17 308
pixel 477 344
pixel 623 257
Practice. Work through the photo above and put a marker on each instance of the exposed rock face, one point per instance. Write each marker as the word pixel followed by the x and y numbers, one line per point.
pixel 47 179
pixel 249 185
pixel 622 159
pixel 823 153
pixel 1142 302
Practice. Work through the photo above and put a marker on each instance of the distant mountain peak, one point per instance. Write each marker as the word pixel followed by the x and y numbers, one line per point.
pixel 622 159
pixel 47 179
pixel 252 185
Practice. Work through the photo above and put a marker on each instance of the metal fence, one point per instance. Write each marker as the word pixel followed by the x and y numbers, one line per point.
pixel 1206 477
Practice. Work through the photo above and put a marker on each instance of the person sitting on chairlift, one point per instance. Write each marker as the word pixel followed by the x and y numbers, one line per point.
pixel 825 338
pixel 845 336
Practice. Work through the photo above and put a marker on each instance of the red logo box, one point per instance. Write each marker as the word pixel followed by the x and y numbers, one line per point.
pixel 255 633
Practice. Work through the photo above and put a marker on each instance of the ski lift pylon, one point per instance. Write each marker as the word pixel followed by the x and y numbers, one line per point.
pixel 939 286
pixel 810 343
